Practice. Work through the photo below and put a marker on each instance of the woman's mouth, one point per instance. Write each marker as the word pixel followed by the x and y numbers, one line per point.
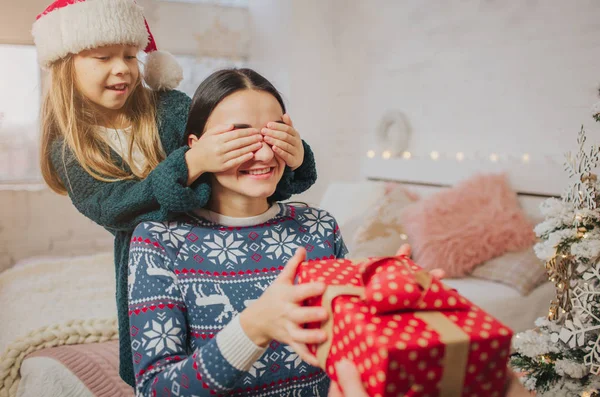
pixel 259 173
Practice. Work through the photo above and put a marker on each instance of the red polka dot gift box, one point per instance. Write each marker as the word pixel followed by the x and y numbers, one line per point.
pixel 408 333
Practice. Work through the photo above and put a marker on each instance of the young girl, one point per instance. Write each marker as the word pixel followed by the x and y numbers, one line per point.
pixel 115 147
pixel 212 308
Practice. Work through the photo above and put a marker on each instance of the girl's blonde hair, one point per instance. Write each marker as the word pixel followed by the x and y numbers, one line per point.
pixel 69 116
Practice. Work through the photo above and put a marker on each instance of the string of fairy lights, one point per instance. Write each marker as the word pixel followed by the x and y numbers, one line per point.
pixel 458 156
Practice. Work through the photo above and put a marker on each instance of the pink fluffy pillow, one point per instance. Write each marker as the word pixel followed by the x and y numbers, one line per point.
pixel 462 227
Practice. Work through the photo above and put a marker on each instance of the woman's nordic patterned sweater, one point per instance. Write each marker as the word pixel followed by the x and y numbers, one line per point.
pixel 188 282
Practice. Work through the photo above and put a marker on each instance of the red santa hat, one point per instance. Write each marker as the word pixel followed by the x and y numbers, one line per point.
pixel 71 26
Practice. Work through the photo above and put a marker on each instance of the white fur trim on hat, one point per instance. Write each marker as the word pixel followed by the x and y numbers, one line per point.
pixel 86 25
pixel 161 71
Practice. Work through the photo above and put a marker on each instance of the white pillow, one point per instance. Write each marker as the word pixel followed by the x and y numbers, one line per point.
pixel 349 202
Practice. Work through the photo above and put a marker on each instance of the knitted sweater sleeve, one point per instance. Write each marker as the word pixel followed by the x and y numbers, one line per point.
pixel 299 180
pixel 159 328
pixel 124 204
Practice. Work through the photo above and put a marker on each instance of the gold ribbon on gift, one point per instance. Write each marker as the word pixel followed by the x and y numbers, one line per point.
pixel 332 292
pixel 456 356
pixel 456 340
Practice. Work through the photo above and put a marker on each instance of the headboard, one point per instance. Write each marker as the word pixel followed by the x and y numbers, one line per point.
pixel 541 179
pixel 533 181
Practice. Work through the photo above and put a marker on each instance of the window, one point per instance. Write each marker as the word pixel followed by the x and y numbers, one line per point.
pixel 230 3
pixel 20 97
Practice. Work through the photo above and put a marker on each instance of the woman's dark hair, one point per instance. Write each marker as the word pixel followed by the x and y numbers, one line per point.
pixel 217 87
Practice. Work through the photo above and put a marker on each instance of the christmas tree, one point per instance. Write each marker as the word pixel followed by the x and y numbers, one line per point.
pixel 561 356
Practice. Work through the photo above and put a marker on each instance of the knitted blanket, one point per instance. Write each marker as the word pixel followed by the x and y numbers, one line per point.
pixel 90 370
pixel 53 302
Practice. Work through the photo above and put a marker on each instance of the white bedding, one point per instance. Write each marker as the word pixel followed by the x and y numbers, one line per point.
pixel 505 303
pixel 43 376
pixel 67 302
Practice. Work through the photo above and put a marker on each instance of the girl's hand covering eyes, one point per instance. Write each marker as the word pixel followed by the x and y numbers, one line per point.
pixel 286 141
pixel 220 149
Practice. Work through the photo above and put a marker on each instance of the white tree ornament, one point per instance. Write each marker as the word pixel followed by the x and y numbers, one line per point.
pixel 582 191
pixel 585 325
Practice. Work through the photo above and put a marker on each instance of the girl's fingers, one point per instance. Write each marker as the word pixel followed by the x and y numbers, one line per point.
pixel 283 145
pixel 306 356
pixel 278 134
pixel 242 142
pixel 278 125
pixel 287 119
pixel 288 158
pixel 238 160
pixel 302 292
pixel 235 154
pixel 239 133
pixel 285 127
pixel 219 129
pixel 302 315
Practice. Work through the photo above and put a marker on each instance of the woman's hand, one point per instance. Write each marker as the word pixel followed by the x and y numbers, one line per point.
pixel 285 141
pixel 278 314
pixel 221 148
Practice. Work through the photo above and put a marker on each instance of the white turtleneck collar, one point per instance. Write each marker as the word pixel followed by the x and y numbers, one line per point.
pixel 224 220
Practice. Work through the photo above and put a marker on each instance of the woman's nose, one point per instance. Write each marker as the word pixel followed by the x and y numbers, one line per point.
pixel 264 154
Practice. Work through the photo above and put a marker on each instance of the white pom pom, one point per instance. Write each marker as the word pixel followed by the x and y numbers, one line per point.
pixel 161 71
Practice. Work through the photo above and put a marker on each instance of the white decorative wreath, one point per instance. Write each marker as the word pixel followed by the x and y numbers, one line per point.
pixel 393 132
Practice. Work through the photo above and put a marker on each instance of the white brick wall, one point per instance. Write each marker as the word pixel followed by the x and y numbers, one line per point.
pixel 41 222
pixel 509 77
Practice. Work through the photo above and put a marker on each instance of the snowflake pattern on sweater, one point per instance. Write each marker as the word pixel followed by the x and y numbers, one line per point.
pixel 189 280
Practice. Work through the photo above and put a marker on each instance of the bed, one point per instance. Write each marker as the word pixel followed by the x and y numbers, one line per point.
pixel 533 181
pixel 60 337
